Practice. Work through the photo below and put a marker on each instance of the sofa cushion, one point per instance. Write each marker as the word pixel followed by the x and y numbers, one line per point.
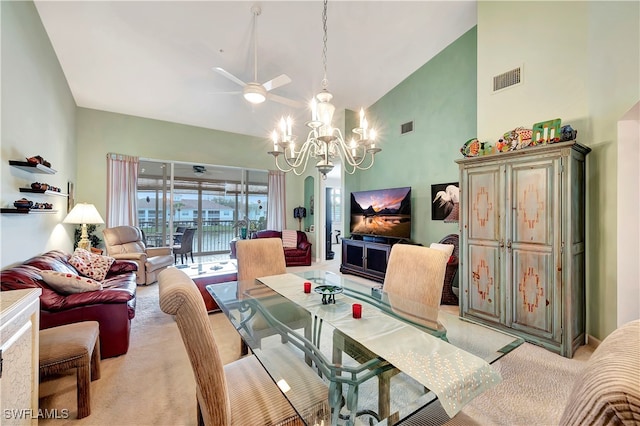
pixel 67 283
pixel 91 265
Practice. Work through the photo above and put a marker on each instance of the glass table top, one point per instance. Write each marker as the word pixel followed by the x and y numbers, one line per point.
pixel 395 359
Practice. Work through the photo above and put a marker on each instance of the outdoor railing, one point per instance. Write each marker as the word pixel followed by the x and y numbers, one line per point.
pixel 212 237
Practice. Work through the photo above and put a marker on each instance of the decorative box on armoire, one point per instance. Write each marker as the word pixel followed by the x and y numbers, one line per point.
pixel 522 245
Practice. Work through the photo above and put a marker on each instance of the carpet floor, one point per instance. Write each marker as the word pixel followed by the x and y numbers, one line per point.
pixel 153 383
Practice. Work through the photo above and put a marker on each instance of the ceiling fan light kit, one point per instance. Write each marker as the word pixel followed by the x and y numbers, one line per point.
pixel 254 93
pixel 324 142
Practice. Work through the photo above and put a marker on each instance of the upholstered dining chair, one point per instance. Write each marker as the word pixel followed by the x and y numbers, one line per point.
pixel 260 258
pixel 127 242
pixel 185 248
pixel 414 274
pixel 240 392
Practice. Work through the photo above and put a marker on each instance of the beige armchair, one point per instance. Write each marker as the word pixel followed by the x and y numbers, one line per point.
pixel 126 242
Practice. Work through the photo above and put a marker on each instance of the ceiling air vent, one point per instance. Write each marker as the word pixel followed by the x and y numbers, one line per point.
pixel 507 79
pixel 406 127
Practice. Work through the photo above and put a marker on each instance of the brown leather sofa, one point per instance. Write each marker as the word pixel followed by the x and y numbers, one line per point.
pixel 298 256
pixel 113 306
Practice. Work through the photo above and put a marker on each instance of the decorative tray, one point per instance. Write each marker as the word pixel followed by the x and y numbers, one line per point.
pixel 328 293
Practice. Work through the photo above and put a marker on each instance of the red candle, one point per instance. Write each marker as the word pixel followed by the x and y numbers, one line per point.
pixel 307 287
pixel 356 309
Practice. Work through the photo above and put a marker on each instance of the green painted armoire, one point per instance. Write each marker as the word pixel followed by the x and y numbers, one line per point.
pixel 522 243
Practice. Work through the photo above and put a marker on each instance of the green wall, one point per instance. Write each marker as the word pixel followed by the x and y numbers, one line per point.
pixel 100 132
pixel 440 98
pixel 38 118
pixel 586 72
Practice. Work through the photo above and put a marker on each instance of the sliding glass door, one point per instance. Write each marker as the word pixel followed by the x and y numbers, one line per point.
pixel 211 199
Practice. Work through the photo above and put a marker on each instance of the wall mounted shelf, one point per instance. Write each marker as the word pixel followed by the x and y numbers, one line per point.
pixel 32 168
pixel 27 211
pixel 42 191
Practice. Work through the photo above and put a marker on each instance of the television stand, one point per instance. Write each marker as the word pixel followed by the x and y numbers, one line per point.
pixel 367 255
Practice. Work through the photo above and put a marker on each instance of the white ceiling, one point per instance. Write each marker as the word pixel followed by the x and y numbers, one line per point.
pixel 154 59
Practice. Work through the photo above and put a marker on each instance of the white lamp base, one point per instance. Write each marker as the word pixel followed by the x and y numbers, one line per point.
pixel 85 242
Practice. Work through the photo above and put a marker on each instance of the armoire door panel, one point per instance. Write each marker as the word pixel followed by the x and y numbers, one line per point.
pixel 533 293
pixel 484 285
pixel 533 203
pixel 484 201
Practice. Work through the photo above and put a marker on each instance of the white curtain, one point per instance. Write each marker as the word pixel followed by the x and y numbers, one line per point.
pixel 122 186
pixel 276 216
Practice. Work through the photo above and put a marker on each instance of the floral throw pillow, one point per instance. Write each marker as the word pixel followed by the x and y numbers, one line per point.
pixel 90 264
pixel 66 283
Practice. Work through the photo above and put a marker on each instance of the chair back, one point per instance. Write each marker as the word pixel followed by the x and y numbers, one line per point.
pixel 179 296
pixel 186 243
pixel 260 257
pixel 123 239
pixel 416 273
pixel 177 239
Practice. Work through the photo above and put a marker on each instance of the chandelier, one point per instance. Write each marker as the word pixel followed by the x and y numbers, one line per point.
pixel 324 142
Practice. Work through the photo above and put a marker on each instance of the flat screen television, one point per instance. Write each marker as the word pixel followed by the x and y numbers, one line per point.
pixel 382 212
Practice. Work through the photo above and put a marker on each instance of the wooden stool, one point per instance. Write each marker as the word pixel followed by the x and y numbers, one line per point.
pixel 73 346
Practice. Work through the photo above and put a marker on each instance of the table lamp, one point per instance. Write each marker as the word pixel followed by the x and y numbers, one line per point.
pixel 82 214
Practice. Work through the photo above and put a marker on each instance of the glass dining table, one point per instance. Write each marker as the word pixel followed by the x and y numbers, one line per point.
pixel 395 359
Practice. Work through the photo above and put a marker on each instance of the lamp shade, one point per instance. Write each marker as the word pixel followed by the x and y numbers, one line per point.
pixel 83 213
pixel 299 212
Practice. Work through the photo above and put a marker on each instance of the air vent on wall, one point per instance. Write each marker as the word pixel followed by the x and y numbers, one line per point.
pixel 406 127
pixel 507 79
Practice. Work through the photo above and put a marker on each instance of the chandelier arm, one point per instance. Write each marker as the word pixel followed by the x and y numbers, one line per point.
pixel 345 152
pixel 280 168
pixel 302 157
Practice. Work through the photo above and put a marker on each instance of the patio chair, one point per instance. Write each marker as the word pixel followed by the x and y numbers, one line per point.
pixel 177 237
pixel 185 248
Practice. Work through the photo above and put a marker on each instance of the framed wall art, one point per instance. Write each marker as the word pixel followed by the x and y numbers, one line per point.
pixel 443 197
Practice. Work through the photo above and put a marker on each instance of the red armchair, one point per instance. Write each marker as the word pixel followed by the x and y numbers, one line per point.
pixel 298 256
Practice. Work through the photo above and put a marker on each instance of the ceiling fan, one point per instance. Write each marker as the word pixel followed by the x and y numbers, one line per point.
pixel 199 170
pixel 255 92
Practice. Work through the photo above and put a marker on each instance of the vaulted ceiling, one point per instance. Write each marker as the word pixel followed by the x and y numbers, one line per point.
pixel 155 59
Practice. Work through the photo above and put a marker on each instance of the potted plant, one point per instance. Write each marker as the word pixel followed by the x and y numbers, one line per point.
pixel 242 225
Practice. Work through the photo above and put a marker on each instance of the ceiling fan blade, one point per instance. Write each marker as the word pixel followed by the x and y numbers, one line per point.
pixel 229 76
pixel 274 83
pixel 237 92
pixel 285 101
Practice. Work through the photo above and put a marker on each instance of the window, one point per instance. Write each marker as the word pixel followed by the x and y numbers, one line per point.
pixel 211 201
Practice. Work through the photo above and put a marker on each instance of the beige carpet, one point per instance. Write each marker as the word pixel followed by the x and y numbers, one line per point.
pixel 153 384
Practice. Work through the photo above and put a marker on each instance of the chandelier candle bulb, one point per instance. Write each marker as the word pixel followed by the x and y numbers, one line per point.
pixel 314 110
